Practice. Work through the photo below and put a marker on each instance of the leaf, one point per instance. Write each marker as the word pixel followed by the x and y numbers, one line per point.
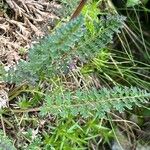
pixel 94 102
pixel 131 3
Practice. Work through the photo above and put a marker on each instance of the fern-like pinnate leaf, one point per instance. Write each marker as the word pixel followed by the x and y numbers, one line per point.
pixel 46 57
pixel 105 29
pixel 94 102
pixel 51 56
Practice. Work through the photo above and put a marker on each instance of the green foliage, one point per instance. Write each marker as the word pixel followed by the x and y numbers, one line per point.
pixel 48 53
pixel 131 3
pixel 67 135
pixel 104 30
pixel 35 141
pixel 23 103
pixel 91 11
pixel 53 53
pixel 98 63
pixel 70 118
pixel 70 134
pixel 5 143
pixel 93 102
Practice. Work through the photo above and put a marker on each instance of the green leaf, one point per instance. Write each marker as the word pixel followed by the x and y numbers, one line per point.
pixel 92 102
pixel 131 3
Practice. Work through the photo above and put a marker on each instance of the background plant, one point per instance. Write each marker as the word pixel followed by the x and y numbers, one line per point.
pixel 65 100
